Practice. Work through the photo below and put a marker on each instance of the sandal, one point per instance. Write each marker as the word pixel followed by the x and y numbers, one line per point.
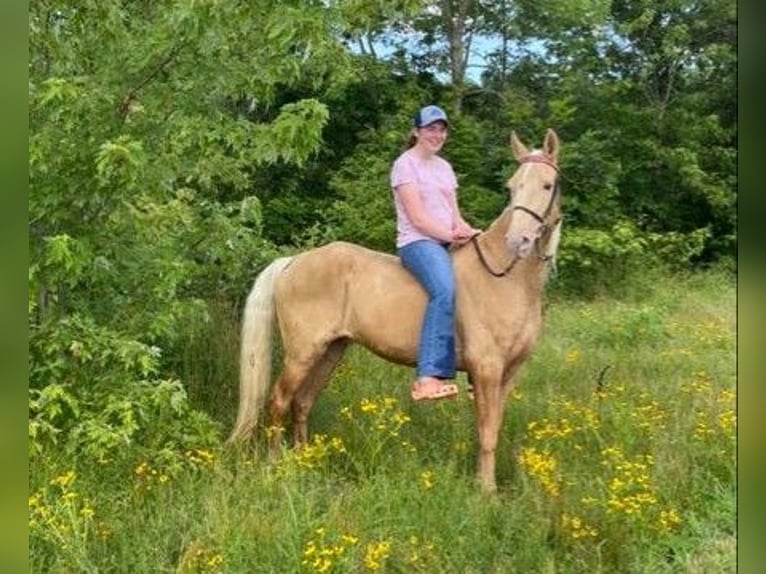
pixel 442 391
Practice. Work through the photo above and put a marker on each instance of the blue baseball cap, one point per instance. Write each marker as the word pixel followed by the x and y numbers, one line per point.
pixel 429 115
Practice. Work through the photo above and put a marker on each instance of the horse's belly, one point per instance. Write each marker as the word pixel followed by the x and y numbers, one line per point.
pixel 391 332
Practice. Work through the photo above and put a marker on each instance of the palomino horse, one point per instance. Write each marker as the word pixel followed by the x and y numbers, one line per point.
pixel 327 297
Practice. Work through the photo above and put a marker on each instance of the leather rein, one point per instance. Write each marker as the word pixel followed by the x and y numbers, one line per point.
pixel 529 158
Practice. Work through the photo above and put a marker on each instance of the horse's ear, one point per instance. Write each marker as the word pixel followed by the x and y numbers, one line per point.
pixel 519 149
pixel 551 145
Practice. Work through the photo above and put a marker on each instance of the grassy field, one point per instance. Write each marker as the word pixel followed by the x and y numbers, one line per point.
pixel 617 455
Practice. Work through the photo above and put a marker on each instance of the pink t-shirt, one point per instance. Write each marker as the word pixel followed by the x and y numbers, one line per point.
pixel 436 184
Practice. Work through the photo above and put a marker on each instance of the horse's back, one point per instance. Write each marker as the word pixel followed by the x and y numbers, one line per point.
pixel 338 262
pixel 344 290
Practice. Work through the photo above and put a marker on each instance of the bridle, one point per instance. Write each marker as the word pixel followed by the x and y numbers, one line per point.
pixel 536 157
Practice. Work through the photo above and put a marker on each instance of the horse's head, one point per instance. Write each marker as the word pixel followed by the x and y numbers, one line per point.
pixel 534 188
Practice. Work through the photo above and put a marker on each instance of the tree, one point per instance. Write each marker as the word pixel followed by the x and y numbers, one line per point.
pixel 143 142
pixel 644 95
pixel 449 28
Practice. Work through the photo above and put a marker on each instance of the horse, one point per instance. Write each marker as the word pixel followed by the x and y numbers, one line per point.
pixel 326 298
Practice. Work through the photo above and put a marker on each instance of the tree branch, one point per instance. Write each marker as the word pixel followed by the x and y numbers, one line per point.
pixel 130 96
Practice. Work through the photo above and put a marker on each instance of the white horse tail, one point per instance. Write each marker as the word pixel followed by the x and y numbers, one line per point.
pixel 255 349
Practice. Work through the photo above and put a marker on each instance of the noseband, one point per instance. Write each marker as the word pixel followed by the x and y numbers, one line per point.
pixel 541 219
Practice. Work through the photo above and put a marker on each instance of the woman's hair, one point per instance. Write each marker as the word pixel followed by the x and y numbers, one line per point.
pixel 412 139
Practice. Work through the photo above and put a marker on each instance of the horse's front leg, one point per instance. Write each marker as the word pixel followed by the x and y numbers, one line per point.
pixel 490 394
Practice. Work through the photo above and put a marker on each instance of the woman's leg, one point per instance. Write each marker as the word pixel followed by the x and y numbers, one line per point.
pixel 431 264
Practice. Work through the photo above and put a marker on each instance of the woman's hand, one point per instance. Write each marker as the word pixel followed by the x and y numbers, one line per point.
pixel 462 232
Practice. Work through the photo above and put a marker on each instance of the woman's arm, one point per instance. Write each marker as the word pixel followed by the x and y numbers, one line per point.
pixel 461 230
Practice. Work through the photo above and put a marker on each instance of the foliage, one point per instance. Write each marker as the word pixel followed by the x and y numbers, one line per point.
pixel 95 392
pixel 593 261
pixel 364 212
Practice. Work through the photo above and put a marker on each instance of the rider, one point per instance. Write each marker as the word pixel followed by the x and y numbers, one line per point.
pixel 428 222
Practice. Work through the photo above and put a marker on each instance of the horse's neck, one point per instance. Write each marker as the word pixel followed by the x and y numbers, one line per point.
pixel 493 239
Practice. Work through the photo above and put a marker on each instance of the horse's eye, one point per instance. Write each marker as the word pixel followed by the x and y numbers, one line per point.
pixel 548 186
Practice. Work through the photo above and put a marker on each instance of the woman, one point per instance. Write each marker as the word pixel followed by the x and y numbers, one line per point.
pixel 428 222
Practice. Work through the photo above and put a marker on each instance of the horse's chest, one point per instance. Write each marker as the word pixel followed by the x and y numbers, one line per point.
pixel 507 335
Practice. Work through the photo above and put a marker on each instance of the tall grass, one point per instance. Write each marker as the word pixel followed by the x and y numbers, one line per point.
pixel 617 455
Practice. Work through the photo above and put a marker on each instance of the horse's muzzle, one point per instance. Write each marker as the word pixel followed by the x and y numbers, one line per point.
pixel 520 246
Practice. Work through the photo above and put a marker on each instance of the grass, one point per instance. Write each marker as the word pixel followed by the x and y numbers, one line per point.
pixel 617 455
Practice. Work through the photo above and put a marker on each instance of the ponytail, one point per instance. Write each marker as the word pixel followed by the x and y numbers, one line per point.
pixel 412 139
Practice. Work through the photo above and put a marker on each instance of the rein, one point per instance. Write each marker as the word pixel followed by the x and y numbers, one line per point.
pixel 504 272
pixel 529 158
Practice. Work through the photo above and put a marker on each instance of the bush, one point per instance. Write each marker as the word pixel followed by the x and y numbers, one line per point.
pixel 593 261
pixel 94 391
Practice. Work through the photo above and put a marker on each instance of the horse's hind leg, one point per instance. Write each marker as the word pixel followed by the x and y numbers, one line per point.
pixel 294 375
pixel 307 394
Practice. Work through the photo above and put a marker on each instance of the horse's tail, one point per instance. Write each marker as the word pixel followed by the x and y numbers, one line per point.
pixel 255 349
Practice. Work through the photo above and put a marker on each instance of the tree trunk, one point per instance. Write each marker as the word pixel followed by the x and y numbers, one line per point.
pixel 455 14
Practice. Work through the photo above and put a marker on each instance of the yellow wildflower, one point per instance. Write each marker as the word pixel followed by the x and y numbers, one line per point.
pixel 64 480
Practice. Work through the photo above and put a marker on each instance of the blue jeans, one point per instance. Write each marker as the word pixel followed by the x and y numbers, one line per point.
pixel 431 264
